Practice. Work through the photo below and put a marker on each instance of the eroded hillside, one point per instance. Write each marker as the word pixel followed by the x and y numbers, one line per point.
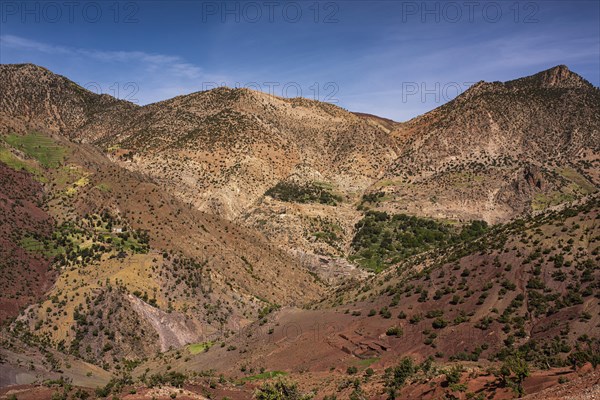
pixel 138 270
pixel 528 288
pixel 499 150
pixel 215 243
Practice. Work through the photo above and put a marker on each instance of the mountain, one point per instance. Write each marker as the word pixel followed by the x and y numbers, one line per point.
pixel 40 98
pixel 499 150
pixel 224 148
pixel 204 245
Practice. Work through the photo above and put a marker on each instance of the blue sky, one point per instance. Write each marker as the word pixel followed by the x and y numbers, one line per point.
pixel 396 59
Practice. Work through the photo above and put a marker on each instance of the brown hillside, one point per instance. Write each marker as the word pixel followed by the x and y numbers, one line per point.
pixel 25 269
pixel 499 150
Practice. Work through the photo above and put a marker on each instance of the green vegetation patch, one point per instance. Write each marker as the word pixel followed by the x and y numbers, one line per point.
pixel 264 375
pixel 542 201
pixel 46 248
pixel 586 186
pixel 8 158
pixel 40 147
pixel 103 187
pixel 83 242
pixel 577 187
pixel 367 361
pixel 197 348
pixel 382 239
pixel 280 390
pixel 312 192
pixel 327 232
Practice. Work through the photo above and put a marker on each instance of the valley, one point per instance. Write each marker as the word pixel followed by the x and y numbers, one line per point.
pixel 230 244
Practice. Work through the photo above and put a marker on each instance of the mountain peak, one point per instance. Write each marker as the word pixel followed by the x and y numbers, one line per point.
pixel 559 76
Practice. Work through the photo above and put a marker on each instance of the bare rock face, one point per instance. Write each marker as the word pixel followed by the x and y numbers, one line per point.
pixel 174 330
pixel 534 178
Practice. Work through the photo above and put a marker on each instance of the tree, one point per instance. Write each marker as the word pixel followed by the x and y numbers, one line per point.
pixel 396 377
pixel 453 375
pixel 279 390
pixel 520 368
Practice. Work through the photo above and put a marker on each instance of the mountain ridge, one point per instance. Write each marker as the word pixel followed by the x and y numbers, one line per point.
pixel 228 231
pixel 497 151
pixel 523 124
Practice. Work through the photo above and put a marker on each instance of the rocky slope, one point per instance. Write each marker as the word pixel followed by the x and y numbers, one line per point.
pixel 221 150
pixel 128 254
pixel 40 98
pixel 499 150
pixel 529 287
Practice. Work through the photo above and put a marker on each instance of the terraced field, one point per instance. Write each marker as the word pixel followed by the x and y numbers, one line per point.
pixel 38 146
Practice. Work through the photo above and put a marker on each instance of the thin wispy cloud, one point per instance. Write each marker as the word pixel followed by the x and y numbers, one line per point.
pixel 155 76
pixel 152 61
pixel 371 55
pixel 20 43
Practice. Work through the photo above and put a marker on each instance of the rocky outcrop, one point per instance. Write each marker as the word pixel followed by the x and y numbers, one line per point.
pixel 174 329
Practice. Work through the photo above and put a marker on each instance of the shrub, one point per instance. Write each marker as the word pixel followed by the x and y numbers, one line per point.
pixel 279 390
pixel 175 379
pixel 394 331
pixel 453 375
pixel 517 366
pixel 385 312
pixel 439 323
